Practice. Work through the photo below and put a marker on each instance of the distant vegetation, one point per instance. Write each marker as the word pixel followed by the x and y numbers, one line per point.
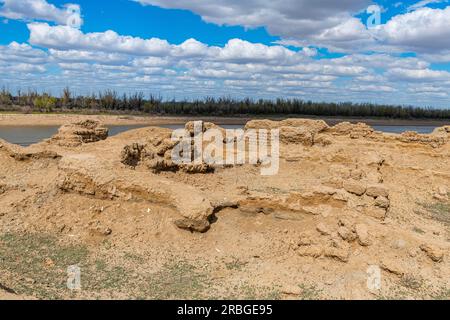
pixel 111 102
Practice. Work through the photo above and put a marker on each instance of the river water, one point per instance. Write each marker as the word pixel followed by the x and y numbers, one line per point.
pixel 27 135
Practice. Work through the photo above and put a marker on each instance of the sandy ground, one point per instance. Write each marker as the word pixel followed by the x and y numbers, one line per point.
pixel 59 119
pixel 351 214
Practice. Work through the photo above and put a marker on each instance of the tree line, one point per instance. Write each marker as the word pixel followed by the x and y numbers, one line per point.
pixel 109 101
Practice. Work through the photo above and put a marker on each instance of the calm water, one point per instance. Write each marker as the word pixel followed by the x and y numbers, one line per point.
pixel 26 135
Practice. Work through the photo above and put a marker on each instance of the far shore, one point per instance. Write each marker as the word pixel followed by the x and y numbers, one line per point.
pixel 152 120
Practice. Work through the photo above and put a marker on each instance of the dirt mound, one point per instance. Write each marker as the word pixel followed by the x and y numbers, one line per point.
pixel 315 126
pixel 359 130
pixel 434 140
pixel 76 134
pixel 295 131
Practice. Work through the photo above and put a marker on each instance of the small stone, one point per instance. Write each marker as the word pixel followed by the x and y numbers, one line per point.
pixel 346 234
pixel 382 202
pixel 49 262
pixel 354 187
pixel 342 255
pixel 363 235
pixel 314 252
pixel 434 253
pixel 291 290
pixel 377 190
pixel 413 252
pixel 443 191
pixel 392 266
pixel 439 197
pixel 193 225
pixel 323 229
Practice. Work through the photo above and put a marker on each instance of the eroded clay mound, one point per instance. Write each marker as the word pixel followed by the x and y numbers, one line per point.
pixel 76 134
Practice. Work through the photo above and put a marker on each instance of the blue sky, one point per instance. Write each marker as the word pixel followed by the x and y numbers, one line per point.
pixel 130 18
pixel 260 49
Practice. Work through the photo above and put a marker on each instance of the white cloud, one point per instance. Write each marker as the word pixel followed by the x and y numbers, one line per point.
pixel 329 23
pixel 64 37
pixel 418 74
pixel 423 30
pixel 290 19
pixel 372 88
pixel 424 3
pixel 22 53
pixel 28 10
pixel 88 56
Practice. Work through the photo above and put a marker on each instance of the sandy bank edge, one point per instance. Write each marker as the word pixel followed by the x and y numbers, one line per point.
pixel 113 120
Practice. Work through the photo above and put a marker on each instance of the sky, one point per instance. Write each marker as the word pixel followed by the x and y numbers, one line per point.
pixel 394 52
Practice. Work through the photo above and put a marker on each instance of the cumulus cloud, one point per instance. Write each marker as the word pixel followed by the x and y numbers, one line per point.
pixel 329 23
pixel 418 74
pixel 65 37
pixel 423 30
pixel 69 15
pixel 290 19
pixel 22 53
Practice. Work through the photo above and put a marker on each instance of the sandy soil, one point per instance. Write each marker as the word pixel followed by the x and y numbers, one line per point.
pixel 352 214
pixel 58 120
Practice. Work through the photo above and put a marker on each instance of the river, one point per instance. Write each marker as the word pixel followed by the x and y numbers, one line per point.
pixel 27 135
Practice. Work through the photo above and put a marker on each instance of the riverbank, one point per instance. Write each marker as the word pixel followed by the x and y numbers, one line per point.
pixel 118 120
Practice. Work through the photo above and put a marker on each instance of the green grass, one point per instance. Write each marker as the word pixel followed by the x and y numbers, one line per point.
pixel 235 264
pixel 411 282
pixel 439 212
pixel 442 294
pixel 36 265
pixel 177 280
pixel 41 261
pixel 310 292
pixel 418 230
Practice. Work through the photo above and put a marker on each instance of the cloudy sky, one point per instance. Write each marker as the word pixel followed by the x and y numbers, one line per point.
pixel 322 50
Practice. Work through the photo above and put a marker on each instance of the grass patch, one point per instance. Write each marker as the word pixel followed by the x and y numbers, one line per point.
pixel 442 294
pixel 439 211
pixel 177 280
pixel 310 292
pixel 235 265
pixel 411 282
pixel 41 262
pixel 36 265
pixel 418 230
